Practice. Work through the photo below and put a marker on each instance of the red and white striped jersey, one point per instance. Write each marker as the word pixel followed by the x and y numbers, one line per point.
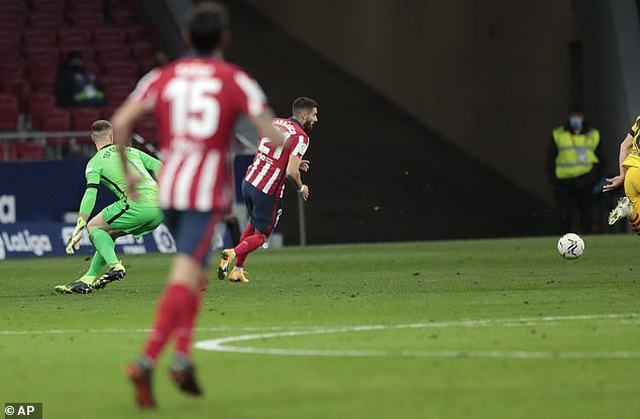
pixel 196 102
pixel 268 172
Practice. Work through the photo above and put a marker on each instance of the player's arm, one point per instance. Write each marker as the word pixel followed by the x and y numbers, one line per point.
pixel 293 174
pixel 625 149
pixel 87 204
pixel 263 125
pixel 139 102
pixel 150 163
pixel 123 121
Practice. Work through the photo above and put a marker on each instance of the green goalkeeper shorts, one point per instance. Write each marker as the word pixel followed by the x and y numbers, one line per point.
pixel 131 218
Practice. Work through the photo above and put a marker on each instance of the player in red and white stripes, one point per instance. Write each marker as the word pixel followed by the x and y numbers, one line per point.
pixel 196 101
pixel 264 182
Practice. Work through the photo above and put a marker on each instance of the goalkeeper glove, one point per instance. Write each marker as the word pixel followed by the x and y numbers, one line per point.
pixel 74 240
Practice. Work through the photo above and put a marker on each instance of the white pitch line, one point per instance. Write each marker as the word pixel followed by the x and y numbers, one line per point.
pixel 219 344
pixel 132 330
pixel 222 344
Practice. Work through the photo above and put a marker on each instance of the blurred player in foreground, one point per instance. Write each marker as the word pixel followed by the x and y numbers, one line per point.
pixel 196 100
pixel 264 182
pixel 118 219
pixel 629 175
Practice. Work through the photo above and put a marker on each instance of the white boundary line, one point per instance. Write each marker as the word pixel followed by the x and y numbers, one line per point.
pixel 630 318
pixel 222 344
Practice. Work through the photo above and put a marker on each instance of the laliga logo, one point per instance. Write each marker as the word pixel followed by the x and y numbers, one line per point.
pixel 164 240
pixel 24 241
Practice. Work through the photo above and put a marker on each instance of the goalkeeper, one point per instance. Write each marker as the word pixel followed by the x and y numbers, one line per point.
pixel 125 216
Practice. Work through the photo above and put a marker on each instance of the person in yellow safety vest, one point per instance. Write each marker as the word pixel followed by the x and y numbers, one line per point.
pixel 575 167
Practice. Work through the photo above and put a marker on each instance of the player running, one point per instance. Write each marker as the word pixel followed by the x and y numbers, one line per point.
pixel 197 100
pixel 264 181
pixel 628 177
pixel 118 219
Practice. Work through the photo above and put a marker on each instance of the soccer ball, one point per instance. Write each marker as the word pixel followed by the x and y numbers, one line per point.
pixel 571 246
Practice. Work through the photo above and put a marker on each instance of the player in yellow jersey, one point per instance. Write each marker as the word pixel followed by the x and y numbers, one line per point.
pixel 629 205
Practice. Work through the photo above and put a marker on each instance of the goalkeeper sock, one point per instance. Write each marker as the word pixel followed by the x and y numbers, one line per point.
pixel 105 245
pixel 96 266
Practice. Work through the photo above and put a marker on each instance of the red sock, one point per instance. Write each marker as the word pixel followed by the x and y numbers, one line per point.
pixel 184 330
pixel 247 232
pixel 240 258
pixel 170 310
pixel 246 246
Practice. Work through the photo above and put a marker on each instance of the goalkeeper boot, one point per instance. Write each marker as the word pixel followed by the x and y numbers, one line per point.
pixel 237 275
pixel 140 374
pixel 116 272
pixel 183 374
pixel 227 256
pixel 77 287
pixel 622 210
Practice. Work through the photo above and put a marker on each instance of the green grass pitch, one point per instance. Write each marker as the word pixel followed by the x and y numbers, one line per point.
pixel 455 329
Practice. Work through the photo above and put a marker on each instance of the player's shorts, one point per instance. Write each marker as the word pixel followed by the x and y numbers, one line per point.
pixel 193 232
pixel 632 186
pixel 264 210
pixel 131 218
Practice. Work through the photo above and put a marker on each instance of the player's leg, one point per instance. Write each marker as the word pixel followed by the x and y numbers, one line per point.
pixel 84 285
pixel 238 273
pixel 265 216
pixel 264 212
pixel 118 221
pixel 96 267
pixel 248 232
pixel 103 237
pixel 101 228
pixel 227 255
pixel 631 208
pixel 177 308
pixel 629 205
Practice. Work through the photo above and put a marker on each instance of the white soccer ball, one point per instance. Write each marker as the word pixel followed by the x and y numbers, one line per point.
pixel 571 246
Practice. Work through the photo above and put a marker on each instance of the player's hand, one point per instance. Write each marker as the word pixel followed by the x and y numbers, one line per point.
pixel 613 183
pixel 74 241
pixel 132 181
pixel 304 165
pixel 304 192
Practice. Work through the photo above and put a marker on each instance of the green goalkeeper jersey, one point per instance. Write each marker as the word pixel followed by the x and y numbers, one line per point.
pixel 105 167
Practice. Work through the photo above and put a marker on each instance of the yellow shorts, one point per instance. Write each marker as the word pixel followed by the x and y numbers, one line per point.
pixel 632 187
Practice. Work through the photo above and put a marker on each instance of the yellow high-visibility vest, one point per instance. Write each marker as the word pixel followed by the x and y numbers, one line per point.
pixel 576 152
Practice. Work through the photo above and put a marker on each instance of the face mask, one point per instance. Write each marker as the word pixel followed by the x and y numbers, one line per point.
pixel 575 122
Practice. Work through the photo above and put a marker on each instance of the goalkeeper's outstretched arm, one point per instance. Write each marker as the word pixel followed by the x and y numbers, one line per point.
pixel 86 207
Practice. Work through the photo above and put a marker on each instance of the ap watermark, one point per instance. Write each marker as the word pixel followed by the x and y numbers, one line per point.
pixel 23 410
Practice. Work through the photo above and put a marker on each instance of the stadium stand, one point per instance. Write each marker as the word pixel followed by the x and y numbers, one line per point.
pixel 35 36
pixel 9 111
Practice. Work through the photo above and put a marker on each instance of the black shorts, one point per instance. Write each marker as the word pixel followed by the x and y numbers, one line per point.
pixel 193 232
pixel 264 210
